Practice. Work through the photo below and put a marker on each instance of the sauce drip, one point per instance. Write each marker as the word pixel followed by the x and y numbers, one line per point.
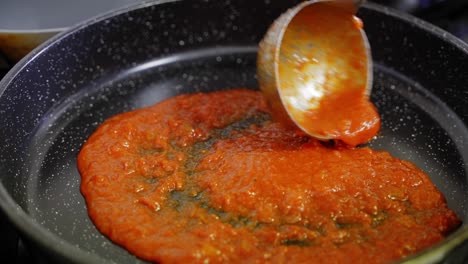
pixel 348 116
pixel 211 178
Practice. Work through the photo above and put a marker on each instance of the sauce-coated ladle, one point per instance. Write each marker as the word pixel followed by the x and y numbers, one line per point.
pixel 315 70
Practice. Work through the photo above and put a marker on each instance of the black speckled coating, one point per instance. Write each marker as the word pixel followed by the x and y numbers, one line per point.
pixel 55 98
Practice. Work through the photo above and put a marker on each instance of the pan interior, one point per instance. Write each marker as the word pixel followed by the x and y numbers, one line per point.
pixel 416 126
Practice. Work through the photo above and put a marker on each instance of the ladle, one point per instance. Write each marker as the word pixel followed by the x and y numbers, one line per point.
pixel 315 71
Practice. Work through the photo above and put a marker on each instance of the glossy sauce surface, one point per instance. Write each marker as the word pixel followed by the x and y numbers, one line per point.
pixel 210 177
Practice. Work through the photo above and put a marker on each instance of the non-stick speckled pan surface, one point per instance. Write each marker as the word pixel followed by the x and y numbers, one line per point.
pixel 55 98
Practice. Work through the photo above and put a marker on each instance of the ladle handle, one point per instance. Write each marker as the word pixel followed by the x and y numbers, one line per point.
pixel 350 4
pixel 358 3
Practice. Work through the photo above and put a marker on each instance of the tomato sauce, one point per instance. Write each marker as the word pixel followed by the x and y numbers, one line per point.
pixel 211 178
pixel 348 116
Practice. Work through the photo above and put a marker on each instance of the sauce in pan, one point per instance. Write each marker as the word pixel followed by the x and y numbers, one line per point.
pixel 211 178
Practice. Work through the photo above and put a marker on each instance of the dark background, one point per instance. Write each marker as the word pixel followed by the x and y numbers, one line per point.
pixel 451 15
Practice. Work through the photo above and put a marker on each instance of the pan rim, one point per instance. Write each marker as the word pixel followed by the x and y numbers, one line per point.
pixel 46 239
pixel 32 31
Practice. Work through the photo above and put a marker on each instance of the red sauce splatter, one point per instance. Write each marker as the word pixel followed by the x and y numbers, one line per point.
pixel 210 177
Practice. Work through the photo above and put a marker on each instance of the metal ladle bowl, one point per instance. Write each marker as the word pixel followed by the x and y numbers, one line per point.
pixel 312 51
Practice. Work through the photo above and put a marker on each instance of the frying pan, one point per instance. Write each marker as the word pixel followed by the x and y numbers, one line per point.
pixel 54 98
